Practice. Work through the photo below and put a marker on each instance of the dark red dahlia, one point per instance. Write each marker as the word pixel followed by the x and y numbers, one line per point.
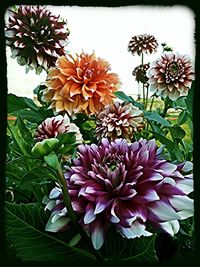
pixel 143 43
pixel 36 37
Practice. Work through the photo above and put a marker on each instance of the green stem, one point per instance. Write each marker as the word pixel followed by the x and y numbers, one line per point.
pixel 147 96
pixel 143 89
pixel 151 103
pixel 72 215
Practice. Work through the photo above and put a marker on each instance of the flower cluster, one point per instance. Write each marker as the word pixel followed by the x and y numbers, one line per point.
pixel 128 185
pixel 52 127
pixel 143 43
pixel 36 37
pixel 119 121
pixel 80 84
pixel 171 75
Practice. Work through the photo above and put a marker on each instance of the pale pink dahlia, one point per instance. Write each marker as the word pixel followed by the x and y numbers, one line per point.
pixel 119 120
pixel 171 75
pixel 127 185
pixel 143 43
pixel 36 37
pixel 52 127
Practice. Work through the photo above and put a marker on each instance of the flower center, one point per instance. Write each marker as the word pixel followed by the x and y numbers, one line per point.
pixel 173 69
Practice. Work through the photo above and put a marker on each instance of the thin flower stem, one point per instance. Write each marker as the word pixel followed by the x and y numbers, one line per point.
pixel 151 103
pixel 72 215
pixel 147 95
pixel 143 89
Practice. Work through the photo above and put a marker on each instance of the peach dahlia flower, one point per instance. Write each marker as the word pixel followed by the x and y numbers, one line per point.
pixel 80 84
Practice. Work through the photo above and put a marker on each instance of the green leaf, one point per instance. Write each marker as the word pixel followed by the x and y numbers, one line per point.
pixel 177 132
pixel 66 138
pixel 180 103
pixel 154 116
pixel 183 117
pixel 24 131
pixel 121 95
pixel 117 248
pixel 16 103
pixel 89 125
pixel 189 99
pixel 143 248
pixel 25 230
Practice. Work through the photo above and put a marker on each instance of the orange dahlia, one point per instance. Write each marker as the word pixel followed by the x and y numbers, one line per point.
pixel 80 84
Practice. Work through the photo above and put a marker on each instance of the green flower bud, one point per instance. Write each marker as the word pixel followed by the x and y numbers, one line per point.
pixel 43 148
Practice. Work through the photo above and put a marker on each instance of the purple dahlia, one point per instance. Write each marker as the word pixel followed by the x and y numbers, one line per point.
pixel 36 37
pixel 128 185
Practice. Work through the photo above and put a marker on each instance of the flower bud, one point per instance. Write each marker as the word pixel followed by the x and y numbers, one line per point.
pixel 45 147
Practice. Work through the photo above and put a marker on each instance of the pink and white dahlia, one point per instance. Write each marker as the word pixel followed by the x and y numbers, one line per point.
pixel 143 43
pixel 128 185
pixel 171 75
pixel 119 121
pixel 52 127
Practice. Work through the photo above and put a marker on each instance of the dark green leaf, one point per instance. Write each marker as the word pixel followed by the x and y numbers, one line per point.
pixel 189 99
pixel 177 132
pixel 154 116
pixel 35 116
pixel 183 117
pixel 118 248
pixel 180 103
pixel 25 230
pixel 16 103
pixel 66 138
pixel 25 133
pixel 143 249
pixel 121 95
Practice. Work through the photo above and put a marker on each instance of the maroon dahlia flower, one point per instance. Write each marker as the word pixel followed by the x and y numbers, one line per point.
pixel 127 185
pixel 140 73
pixel 36 37
pixel 143 43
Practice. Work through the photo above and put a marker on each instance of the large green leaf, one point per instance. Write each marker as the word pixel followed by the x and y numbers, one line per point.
pixel 154 116
pixel 117 248
pixel 121 95
pixel 143 248
pixel 17 102
pixel 25 231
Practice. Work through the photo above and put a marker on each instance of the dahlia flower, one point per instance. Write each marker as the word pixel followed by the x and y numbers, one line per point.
pixel 52 127
pixel 80 84
pixel 118 120
pixel 143 43
pixel 126 185
pixel 171 75
pixel 36 37
pixel 140 73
